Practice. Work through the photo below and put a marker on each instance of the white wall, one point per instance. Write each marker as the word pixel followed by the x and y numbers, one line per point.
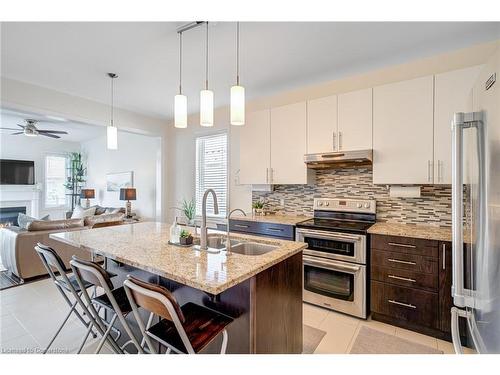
pixel 36 148
pixel 138 153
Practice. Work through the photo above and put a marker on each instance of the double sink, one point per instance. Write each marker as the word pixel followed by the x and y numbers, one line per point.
pixel 217 242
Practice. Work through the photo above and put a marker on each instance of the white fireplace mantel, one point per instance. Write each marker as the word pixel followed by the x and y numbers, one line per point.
pixel 21 196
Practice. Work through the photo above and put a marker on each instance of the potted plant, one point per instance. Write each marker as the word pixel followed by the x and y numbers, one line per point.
pixel 185 238
pixel 189 210
pixel 258 207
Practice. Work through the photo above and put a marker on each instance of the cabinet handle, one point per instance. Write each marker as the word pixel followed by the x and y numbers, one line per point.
pixel 340 141
pixel 267 175
pixel 334 136
pixel 402 278
pixel 402 245
pixel 401 261
pixel 440 171
pixel 241 226
pixel 429 170
pixel 409 305
pixel 444 256
pixel 271 175
pixel 275 229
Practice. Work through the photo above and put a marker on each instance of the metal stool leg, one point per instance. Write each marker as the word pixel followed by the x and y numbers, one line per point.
pixel 106 334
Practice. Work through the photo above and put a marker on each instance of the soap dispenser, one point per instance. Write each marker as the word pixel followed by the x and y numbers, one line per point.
pixel 175 232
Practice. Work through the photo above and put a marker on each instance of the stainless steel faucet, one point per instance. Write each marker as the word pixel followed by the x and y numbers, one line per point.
pixel 228 233
pixel 203 229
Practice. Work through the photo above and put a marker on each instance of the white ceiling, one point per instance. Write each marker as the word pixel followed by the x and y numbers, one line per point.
pixel 276 56
pixel 77 132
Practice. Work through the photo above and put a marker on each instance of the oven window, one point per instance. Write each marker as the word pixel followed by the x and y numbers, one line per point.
pixel 330 246
pixel 329 283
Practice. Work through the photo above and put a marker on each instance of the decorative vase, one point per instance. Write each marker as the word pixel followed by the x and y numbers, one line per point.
pixel 259 211
pixel 186 240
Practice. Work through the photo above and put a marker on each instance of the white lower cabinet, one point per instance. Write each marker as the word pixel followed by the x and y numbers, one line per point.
pixel 255 148
pixel 403 132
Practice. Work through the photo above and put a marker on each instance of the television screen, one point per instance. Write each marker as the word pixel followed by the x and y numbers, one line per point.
pixel 17 172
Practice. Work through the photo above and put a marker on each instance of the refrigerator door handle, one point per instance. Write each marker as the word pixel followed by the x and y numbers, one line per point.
pixel 462 297
pixel 455 329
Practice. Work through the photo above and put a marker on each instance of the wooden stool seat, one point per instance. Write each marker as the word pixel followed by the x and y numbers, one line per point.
pixel 201 324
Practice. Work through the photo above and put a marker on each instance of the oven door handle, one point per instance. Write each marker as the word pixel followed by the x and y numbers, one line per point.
pixel 329 235
pixel 331 265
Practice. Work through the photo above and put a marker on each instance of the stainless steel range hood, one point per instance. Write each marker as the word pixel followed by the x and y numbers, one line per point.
pixel 341 159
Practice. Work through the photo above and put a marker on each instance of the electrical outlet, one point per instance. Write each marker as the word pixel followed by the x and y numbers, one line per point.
pixel 282 202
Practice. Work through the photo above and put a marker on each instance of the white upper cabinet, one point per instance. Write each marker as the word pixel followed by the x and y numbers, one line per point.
pixel 355 120
pixel 452 93
pixel 322 125
pixel 288 145
pixel 255 148
pixel 403 132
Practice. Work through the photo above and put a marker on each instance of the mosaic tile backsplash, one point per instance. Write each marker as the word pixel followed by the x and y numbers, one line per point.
pixel 432 208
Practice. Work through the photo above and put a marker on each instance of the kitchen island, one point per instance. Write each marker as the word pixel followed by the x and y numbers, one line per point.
pixel 262 293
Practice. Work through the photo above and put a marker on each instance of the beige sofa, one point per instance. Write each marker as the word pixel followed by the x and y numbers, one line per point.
pixel 17 245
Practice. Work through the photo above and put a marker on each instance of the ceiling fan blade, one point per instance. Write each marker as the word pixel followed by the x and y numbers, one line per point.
pixel 17 133
pixel 49 135
pixel 9 129
pixel 52 131
pixel 21 126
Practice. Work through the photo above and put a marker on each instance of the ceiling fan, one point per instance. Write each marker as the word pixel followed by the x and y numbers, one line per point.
pixel 31 130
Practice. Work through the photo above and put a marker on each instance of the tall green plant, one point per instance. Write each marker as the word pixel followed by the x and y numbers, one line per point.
pixel 189 209
pixel 76 177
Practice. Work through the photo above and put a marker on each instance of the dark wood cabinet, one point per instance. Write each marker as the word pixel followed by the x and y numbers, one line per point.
pixel 411 283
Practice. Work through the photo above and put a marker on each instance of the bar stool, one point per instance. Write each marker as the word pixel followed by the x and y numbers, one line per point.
pixel 113 300
pixel 187 329
pixel 65 284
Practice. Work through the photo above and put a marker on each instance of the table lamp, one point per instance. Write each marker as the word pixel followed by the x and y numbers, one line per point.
pixel 128 194
pixel 87 194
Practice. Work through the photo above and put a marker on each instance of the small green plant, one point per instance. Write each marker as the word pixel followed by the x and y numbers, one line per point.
pixel 259 205
pixel 189 209
pixel 185 234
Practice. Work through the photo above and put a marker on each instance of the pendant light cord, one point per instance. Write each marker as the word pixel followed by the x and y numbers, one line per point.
pixel 112 101
pixel 237 53
pixel 206 62
pixel 180 63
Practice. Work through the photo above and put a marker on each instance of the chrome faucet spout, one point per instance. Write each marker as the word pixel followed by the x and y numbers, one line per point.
pixel 228 232
pixel 203 229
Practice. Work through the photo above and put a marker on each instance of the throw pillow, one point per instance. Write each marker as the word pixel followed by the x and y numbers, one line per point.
pixel 24 220
pixel 79 212
pixel 111 210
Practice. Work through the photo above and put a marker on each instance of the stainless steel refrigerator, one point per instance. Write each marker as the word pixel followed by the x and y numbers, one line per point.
pixel 476 215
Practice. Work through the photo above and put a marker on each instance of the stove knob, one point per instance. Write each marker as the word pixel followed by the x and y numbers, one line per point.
pixel 320 204
pixel 367 205
pixel 359 205
pixel 327 204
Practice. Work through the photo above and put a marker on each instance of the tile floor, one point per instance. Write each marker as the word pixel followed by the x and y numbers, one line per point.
pixel 31 313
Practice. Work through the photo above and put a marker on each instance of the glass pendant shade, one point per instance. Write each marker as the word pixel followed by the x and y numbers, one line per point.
pixel 180 108
pixel 237 105
pixel 112 138
pixel 206 108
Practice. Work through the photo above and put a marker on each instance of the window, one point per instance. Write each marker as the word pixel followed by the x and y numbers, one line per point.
pixel 55 177
pixel 211 172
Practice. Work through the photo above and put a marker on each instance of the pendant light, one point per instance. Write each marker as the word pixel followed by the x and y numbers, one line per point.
pixel 180 101
pixel 112 132
pixel 206 96
pixel 237 91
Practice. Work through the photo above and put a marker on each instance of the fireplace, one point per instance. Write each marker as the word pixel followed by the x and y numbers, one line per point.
pixel 8 215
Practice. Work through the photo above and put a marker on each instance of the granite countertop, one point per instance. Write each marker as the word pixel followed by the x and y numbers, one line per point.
pixel 145 246
pixel 275 219
pixel 427 232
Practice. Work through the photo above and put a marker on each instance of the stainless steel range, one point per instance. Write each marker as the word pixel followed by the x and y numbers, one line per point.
pixel 335 262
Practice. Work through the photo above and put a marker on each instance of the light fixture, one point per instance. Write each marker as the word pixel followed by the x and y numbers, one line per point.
pixel 237 91
pixel 180 101
pixel 206 96
pixel 112 132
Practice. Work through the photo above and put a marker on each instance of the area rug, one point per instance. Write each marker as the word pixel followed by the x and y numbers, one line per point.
pixel 311 339
pixel 371 341
pixel 8 281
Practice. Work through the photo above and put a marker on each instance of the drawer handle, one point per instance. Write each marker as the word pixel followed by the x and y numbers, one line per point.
pixel 402 278
pixel 275 229
pixel 409 305
pixel 241 226
pixel 402 245
pixel 401 261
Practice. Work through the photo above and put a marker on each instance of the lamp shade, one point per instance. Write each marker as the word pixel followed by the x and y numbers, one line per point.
pixel 127 194
pixel 87 193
